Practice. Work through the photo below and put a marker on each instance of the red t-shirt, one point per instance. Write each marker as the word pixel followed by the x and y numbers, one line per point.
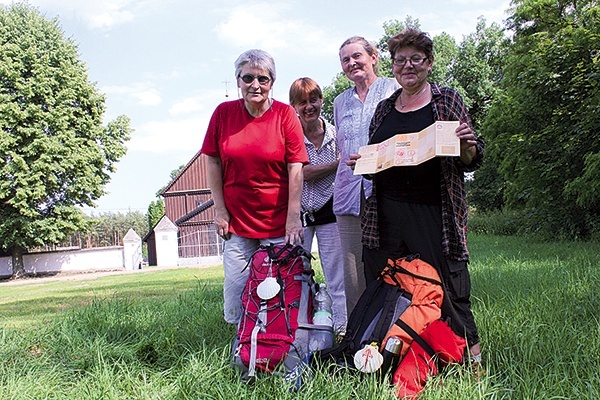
pixel 254 153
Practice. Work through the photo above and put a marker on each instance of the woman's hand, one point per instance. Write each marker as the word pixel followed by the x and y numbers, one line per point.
pixel 352 160
pixel 294 233
pixel 468 143
pixel 222 223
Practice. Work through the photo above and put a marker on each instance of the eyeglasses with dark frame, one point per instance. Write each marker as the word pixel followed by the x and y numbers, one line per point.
pixel 414 60
pixel 249 78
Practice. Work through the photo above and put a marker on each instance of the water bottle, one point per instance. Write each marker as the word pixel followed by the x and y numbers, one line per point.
pixel 391 351
pixel 322 338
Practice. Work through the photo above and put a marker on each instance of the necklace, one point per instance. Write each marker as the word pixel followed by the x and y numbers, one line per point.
pixel 415 98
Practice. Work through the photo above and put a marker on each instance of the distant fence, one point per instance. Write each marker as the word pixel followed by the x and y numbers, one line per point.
pixel 200 246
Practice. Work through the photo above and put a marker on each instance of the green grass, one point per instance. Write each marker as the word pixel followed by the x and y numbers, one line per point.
pixel 160 334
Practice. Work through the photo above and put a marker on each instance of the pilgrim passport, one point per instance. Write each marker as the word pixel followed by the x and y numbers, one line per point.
pixel 438 139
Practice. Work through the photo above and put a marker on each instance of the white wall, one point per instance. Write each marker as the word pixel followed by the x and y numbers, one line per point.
pixel 167 251
pixel 5 266
pixel 96 259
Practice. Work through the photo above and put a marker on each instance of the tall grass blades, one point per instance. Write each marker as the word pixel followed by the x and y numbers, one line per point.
pixel 161 334
pixel 537 308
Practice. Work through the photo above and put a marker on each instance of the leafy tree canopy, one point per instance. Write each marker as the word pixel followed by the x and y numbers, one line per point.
pixel 156 210
pixel 545 125
pixel 55 154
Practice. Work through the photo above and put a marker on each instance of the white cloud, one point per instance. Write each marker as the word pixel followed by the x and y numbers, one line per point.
pixel 144 93
pixel 204 102
pixel 249 27
pixel 168 136
pixel 101 14
pixel 269 26
pixel 110 18
pixel 186 106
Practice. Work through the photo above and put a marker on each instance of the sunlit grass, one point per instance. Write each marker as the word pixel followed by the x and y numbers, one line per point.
pixel 160 334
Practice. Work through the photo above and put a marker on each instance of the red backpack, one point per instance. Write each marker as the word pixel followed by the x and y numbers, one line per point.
pixel 277 313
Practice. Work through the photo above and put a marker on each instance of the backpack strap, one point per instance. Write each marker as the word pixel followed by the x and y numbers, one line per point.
pixel 274 254
pixel 262 313
pixel 294 251
pixel 346 346
pixel 417 338
pixel 388 313
pixel 359 314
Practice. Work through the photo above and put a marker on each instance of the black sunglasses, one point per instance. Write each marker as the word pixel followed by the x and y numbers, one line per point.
pixel 249 78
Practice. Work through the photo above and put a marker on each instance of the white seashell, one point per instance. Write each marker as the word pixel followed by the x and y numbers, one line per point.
pixel 268 288
pixel 368 359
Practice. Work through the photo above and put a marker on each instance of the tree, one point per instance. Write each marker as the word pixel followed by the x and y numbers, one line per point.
pixel 478 68
pixel 156 210
pixel 107 229
pixel 545 128
pixel 55 155
pixel 339 84
pixel 445 53
pixel 172 176
pixel 477 71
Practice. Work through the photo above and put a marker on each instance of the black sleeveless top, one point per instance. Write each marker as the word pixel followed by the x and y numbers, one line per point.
pixel 412 184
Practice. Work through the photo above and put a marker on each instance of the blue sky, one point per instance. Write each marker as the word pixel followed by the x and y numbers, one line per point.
pixel 168 64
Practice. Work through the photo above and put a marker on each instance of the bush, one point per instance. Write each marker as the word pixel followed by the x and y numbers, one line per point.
pixel 533 224
pixel 501 222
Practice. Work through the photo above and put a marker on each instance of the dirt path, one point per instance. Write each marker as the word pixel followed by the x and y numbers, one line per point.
pixel 78 276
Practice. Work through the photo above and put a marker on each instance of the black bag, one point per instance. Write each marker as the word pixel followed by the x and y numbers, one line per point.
pixel 378 308
pixel 322 216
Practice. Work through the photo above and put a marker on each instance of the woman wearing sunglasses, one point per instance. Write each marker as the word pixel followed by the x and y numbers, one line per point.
pixel 254 147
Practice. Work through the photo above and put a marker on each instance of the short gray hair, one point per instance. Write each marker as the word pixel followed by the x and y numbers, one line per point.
pixel 369 47
pixel 255 58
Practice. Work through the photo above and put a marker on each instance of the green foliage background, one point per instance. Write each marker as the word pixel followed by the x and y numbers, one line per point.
pixel 532 90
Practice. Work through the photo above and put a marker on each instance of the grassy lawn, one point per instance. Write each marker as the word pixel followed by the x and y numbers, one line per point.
pixel 160 334
pixel 30 301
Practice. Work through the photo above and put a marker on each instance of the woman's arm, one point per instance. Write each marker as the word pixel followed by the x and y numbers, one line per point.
pixel 468 143
pixel 293 226
pixel 317 171
pixel 214 171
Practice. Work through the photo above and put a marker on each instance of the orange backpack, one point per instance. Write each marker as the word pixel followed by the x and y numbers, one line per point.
pixel 422 281
pixel 428 342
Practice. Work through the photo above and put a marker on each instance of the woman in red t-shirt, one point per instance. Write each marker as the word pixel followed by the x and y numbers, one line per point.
pixel 255 152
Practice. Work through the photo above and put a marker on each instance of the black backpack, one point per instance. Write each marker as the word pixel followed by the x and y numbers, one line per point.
pixel 378 308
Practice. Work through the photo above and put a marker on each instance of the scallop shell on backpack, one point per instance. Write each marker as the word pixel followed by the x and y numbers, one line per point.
pixel 268 288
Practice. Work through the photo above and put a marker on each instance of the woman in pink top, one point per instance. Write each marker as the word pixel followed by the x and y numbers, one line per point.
pixel 255 153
